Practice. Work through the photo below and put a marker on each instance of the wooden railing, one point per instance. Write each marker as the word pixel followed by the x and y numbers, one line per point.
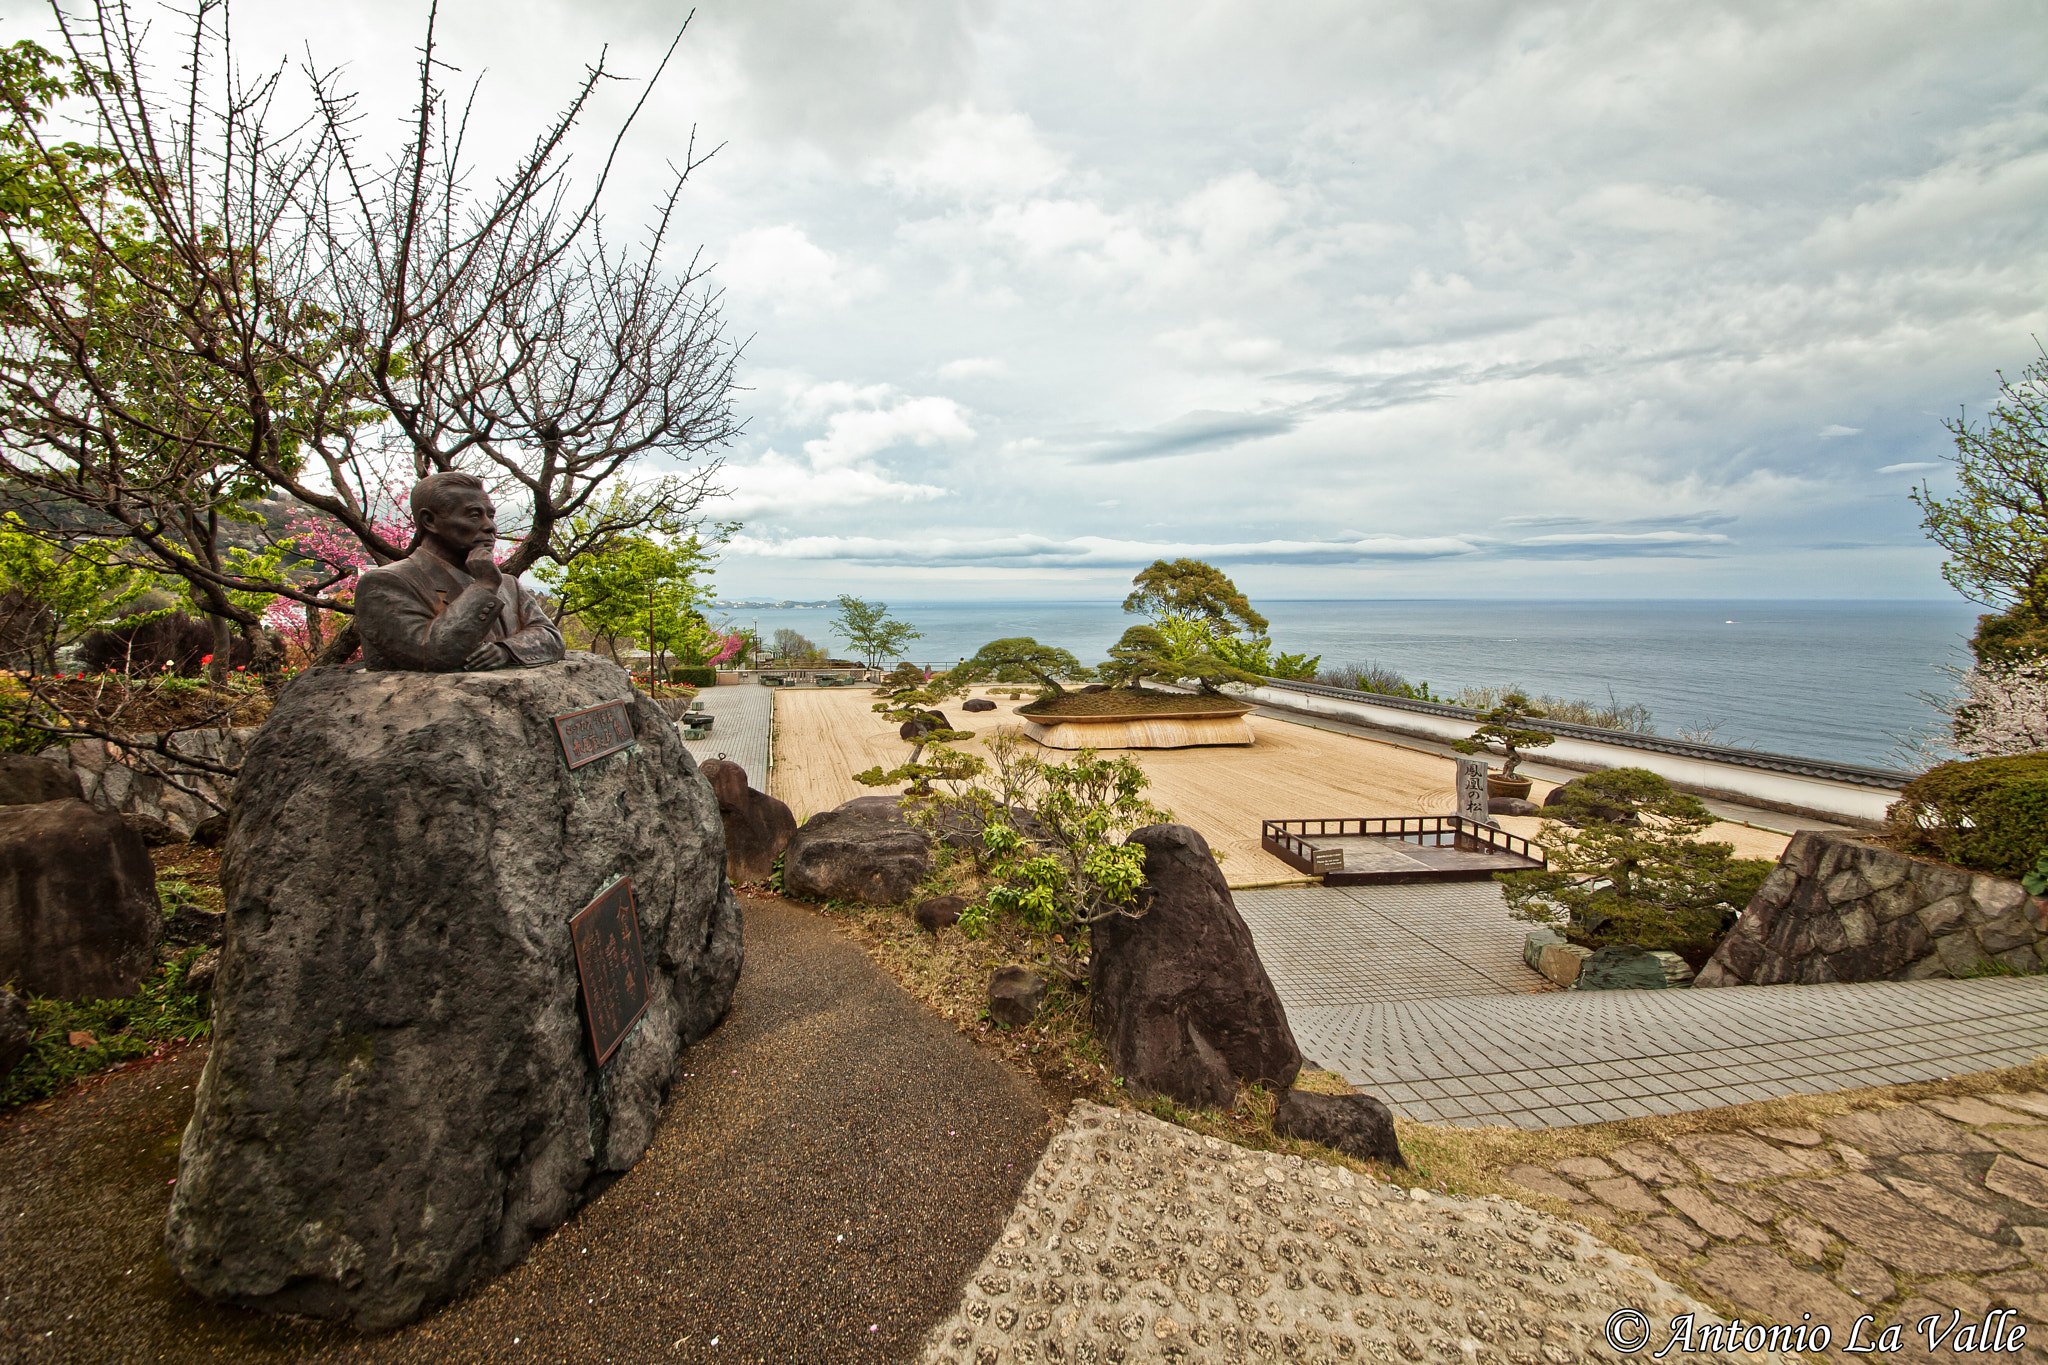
pixel 1294 840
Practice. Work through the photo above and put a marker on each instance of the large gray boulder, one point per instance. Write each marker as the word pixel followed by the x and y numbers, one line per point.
pixel 862 851
pixel 79 916
pixel 401 1096
pixel 17 1031
pixel 30 780
pixel 1182 1003
pixel 164 811
pixel 757 826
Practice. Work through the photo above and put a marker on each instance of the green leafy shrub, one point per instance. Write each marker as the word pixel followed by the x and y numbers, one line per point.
pixel 1986 814
pixel 165 1010
pixel 693 675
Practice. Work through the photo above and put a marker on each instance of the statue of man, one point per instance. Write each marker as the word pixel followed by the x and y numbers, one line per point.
pixel 447 607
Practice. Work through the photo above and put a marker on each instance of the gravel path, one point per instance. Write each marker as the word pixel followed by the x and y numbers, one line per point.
pixel 823 1181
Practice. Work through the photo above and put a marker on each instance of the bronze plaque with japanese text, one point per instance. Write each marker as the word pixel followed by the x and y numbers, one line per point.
pixel 612 968
pixel 593 732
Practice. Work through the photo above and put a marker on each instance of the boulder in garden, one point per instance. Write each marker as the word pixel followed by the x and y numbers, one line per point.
pixel 978 704
pixel 757 826
pixel 403 1093
pixel 1015 995
pixel 862 851
pixel 30 780
pixel 1357 1125
pixel 1512 805
pixel 16 1032
pixel 939 912
pixel 1182 1003
pixel 79 916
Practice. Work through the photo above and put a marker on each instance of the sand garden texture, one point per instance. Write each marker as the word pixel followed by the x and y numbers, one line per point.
pixel 823 737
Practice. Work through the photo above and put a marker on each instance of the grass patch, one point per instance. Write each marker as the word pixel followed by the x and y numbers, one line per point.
pixel 164 1012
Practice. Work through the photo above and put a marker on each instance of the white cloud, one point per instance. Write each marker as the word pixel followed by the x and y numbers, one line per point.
pixel 1828 433
pixel 840 470
pixel 1216 344
pixel 973 367
pixel 1674 209
pixel 1092 551
pixel 782 266
pixel 1910 467
pixel 968 154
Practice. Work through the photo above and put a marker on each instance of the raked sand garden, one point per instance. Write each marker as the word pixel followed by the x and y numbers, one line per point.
pixel 824 736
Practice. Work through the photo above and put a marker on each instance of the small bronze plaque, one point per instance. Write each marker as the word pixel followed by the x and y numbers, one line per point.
pixel 611 966
pixel 1328 860
pixel 593 732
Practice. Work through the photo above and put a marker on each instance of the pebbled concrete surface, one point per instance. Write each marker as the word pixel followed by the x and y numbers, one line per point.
pixel 1140 1241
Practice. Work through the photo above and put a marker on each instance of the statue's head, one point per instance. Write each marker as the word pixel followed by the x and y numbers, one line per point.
pixel 453 509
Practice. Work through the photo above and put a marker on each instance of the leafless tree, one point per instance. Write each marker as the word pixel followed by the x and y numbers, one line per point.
pixel 257 304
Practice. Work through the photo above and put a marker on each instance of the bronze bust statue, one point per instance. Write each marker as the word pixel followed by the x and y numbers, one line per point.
pixel 447 607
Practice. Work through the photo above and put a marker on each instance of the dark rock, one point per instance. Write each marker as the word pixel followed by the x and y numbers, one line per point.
pixel 911 730
pixel 154 831
pixel 191 925
pixel 16 1031
pixel 213 830
pixel 863 851
pixel 79 917
pixel 401 1096
pixel 200 975
pixel 939 912
pixel 1093 687
pixel 1613 814
pixel 1511 805
pixel 1182 1003
pixel 1357 1125
pixel 1015 995
pixel 978 704
pixel 757 826
pixel 1621 967
pixel 26 780
pixel 1838 909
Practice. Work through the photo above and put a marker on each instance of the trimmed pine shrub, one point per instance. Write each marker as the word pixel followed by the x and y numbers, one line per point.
pixel 1986 814
pixel 693 675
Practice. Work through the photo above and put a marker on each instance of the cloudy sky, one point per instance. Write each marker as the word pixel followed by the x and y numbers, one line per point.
pixel 1357 300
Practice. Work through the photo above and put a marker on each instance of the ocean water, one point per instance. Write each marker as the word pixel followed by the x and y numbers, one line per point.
pixel 1827 680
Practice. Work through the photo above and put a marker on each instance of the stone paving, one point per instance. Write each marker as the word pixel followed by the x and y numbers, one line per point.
pixel 746 713
pixel 1930 1211
pixel 1136 1240
pixel 1356 945
pixel 1418 995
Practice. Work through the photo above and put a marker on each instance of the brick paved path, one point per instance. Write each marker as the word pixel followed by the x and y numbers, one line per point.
pixel 1413 994
pixel 745 714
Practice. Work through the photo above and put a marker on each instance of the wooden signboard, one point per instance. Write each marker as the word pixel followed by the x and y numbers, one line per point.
pixel 1328 860
pixel 611 966
pixel 593 732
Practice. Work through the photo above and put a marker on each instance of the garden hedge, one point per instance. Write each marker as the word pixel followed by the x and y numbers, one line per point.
pixel 1986 814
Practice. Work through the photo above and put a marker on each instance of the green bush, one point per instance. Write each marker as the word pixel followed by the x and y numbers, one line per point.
pixel 1986 814
pixel 693 675
pixel 165 1010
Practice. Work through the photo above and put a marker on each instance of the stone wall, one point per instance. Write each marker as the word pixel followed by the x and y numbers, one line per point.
pixel 1838 909
pixel 115 780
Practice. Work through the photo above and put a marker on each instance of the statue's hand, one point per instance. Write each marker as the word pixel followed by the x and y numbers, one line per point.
pixel 487 656
pixel 483 568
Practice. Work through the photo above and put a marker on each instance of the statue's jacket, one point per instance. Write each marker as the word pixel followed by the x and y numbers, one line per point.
pixel 424 613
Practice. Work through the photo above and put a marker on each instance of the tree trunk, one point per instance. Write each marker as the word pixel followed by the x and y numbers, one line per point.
pixel 341 648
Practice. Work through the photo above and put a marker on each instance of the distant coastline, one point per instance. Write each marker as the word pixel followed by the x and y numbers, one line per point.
pixel 1827 679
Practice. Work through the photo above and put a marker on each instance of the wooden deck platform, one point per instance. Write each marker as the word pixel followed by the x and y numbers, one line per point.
pixel 1424 848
